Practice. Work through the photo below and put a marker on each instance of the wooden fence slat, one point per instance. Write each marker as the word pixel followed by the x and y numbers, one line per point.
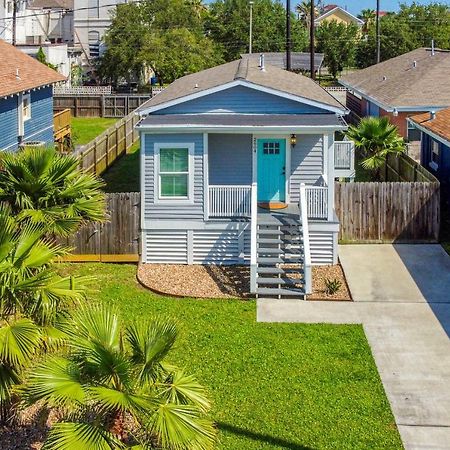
pixel 388 212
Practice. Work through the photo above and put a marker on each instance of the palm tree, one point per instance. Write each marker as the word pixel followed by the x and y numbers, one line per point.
pixel 46 187
pixel 304 13
pixel 31 294
pixel 198 6
pixel 377 138
pixel 368 16
pixel 114 389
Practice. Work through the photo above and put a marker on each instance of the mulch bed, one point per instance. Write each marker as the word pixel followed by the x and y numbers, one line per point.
pixel 178 280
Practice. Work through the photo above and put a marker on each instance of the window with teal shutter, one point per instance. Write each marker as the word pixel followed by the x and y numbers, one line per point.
pixel 174 172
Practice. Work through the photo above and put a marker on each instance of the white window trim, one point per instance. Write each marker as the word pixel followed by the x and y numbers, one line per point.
pixel 434 165
pixel 157 185
pixel 28 116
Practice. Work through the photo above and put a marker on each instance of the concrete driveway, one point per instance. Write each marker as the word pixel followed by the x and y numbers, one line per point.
pixel 402 297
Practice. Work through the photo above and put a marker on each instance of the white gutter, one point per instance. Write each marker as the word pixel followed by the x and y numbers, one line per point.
pixel 241 129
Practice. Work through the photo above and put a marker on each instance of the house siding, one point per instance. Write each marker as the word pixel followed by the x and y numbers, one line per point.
pixel 442 173
pixel 8 123
pixel 306 163
pixel 172 210
pixel 38 128
pixel 242 100
pixel 230 159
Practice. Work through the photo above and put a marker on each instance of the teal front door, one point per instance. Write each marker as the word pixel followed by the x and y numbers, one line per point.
pixel 271 170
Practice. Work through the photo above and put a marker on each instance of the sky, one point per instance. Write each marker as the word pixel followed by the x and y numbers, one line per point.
pixel 355 6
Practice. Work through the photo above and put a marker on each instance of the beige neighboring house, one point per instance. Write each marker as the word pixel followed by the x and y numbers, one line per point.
pixel 339 15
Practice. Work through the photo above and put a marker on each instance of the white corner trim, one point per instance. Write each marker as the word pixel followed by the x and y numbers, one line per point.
pixel 156 185
pixel 244 83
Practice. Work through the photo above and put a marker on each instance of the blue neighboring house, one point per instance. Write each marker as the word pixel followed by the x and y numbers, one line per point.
pixel 435 143
pixel 26 99
pixel 238 164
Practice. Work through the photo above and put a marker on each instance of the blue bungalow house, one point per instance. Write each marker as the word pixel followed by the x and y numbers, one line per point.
pixel 238 164
pixel 435 143
pixel 26 99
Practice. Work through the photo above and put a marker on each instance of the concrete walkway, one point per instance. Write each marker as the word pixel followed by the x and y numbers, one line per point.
pixel 402 298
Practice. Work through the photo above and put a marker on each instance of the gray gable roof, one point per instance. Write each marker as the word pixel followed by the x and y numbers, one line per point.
pixel 246 70
pixel 396 83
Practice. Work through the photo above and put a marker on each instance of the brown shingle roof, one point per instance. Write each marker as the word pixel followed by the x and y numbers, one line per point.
pixel 426 85
pixel 440 125
pixel 245 70
pixel 31 73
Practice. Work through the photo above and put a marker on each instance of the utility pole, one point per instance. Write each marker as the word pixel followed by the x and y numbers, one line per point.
pixel 250 44
pixel 14 22
pixel 312 64
pixel 377 22
pixel 288 35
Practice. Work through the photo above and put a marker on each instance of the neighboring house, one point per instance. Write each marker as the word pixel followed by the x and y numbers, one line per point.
pixel 91 20
pixel 435 143
pixel 38 21
pixel 339 15
pixel 415 82
pixel 26 99
pixel 221 146
pixel 300 62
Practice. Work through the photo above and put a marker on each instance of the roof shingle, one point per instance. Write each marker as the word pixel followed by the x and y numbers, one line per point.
pixel 397 83
pixel 20 72
pixel 247 70
pixel 440 125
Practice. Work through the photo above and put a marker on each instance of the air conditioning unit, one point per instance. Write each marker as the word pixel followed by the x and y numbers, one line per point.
pixel 34 144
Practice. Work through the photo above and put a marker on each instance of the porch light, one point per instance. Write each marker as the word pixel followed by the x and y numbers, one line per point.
pixel 293 140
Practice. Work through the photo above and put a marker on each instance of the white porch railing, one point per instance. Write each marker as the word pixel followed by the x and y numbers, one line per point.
pixel 317 202
pixel 344 155
pixel 253 237
pixel 307 266
pixel 229 201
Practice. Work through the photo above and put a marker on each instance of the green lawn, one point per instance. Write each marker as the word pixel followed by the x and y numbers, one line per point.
pixel 123 175
pixel 273 386
pixel 85 129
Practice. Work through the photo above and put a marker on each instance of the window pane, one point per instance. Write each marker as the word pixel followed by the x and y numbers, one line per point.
pixel 174 159
pixel 174 185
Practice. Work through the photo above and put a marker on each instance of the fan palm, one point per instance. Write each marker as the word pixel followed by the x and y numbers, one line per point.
pixel 31 294
pixel 46 187
pixel 377 138
pixel 114 389
pixel 304 12
pixel 368 16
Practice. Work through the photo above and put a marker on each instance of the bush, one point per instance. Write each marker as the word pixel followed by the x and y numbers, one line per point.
pixel 332 286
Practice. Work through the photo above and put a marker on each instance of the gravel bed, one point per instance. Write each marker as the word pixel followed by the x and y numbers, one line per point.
pixel 198 281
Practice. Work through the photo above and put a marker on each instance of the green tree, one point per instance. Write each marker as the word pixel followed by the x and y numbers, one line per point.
pixel 412 27
pixel 368 16
pixel 115 390
pixel 376 138
pixel 43 186
pixel 229 20
pixel 40 56
pixel 338 43
pixel 304 13
pixel 178 52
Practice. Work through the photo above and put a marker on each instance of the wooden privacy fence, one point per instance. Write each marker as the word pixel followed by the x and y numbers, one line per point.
pixel 116 240
pixel 388 212
pixel 99 154
pixel 404 168
pixel 112 105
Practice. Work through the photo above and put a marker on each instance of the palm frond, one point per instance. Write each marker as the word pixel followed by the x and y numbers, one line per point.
pixel 80 436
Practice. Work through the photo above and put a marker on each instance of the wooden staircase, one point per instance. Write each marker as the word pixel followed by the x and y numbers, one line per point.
pixel 280 256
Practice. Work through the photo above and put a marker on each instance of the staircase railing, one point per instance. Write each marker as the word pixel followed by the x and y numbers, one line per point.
pixel 253 237
pixel 307 267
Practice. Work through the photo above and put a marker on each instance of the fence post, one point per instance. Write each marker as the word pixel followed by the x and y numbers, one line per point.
pixel 102 104
pixel 95 158
pixel 76 106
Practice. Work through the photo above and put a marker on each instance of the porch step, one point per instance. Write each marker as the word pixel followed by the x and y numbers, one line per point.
pixel 269 260
pixel 269 241
pixel 266 231
pixel 279 281
pixel 286 259
pixel 285 292
pixel 278 270
pixel 269 251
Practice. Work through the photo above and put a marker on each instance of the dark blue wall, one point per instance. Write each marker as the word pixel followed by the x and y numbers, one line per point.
pixel 38 128
pixel 443 170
